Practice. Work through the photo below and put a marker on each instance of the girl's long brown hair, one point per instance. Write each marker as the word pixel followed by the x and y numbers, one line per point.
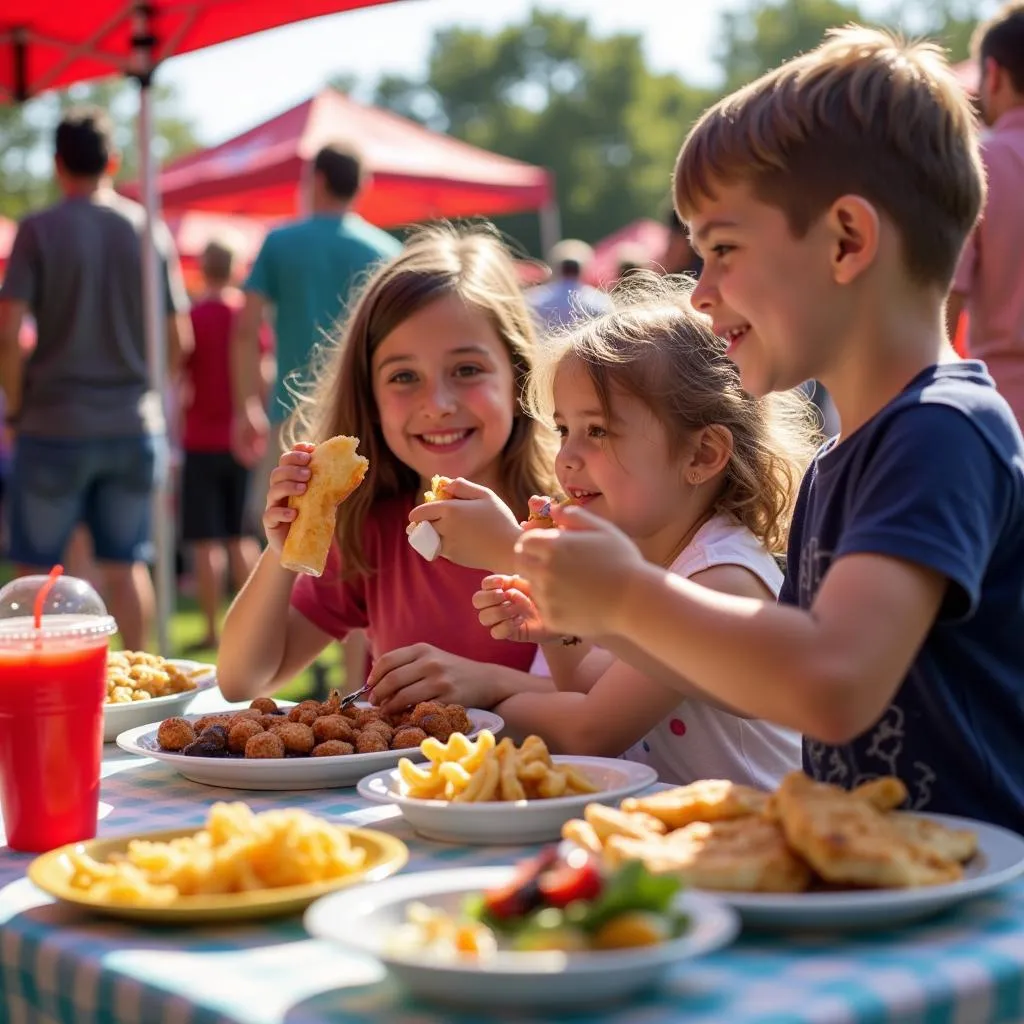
pixel 656 347
pixel 437 262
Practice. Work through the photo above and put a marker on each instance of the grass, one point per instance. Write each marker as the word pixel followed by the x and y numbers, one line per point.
pixel 188 627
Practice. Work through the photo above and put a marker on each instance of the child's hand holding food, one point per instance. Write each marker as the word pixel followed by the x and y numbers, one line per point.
pixel 504 606
pixel 291 477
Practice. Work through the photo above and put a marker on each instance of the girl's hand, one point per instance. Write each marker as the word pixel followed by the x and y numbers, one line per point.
pixel 477 529
pixel 579 574
pixel 290 477
pixel 504 606
pixel 536 505
pixel 409 675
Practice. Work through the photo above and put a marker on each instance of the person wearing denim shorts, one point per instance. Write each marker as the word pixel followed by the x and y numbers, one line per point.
pixel 89 434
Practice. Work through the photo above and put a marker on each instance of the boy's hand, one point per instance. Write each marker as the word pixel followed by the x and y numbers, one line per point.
pixel 290 477
pixel 477 529
pixel 504 606
pixel 578 575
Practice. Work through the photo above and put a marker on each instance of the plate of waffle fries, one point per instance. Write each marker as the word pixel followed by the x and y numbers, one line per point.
pixel 477 790
pixel 144 688
pixel 809 855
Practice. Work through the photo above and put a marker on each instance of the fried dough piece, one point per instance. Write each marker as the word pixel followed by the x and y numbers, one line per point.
pixel 746 854
pixel 335 472
pixel 707 800
pixel 542 516
pixel 848 841
pixel 885 793
pixel 959 844
pixel 607 822
pixel 438 489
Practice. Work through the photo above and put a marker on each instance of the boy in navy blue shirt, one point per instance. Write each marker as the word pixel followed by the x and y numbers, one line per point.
pixel 830 200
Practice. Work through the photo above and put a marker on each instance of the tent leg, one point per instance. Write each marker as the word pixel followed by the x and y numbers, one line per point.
pixel 154 304
pixel 550 226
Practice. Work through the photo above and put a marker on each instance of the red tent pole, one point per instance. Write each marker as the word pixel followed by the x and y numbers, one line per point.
pixel 155 313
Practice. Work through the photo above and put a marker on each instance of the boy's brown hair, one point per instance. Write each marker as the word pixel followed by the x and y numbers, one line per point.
pixel 866 114
pixel 1001 38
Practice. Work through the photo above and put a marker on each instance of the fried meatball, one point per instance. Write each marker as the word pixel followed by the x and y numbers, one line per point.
pixel 297 738
pixel 380 726
pixel 403 718
pixel 203 748
pixel 364 716
pixel 264 705
pixel 333 727
pixel 264 744
pixel 332 748
pixel 202 724
pixel 302 711
pixel 331 706
pixel 240 733
pixel 407 737
pixel 456 714
pixel 424 708
pixel 370 741
pixel 175 733
pixel 215 736
pixel 438 726
pixel 249 714
pixel 272 721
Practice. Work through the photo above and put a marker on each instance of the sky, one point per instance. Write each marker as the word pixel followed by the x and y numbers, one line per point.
pixel 235 86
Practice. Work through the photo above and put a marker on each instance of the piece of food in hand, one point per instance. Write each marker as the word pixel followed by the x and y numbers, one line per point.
pixel 335 472
pixel 425 540
pixel 541 517
pixel 438 489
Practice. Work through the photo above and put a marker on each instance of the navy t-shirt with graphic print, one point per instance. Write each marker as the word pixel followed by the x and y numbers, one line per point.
pixel 935 478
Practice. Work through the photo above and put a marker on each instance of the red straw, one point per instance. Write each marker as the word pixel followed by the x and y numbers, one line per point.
pixel 44 592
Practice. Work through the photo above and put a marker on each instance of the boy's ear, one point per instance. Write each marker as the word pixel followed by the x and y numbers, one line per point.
pixel 855 228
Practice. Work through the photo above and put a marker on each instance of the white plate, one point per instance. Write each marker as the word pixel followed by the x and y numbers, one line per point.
pixel 1000 859
pixel 364 917
pixel 525 821
pixel 119 717
pixel 285 772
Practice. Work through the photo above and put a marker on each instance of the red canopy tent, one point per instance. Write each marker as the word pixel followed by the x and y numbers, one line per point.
pixel 417 174
pixel 646 236
pixel 48 43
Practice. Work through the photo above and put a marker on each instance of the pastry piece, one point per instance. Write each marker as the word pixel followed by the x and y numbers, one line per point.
pixel 885 793
pixel 847 841
pixel 335 472
pixel 438 489
pixel 742 855
pixel 707 800
pixel 425 540
pixel 959 844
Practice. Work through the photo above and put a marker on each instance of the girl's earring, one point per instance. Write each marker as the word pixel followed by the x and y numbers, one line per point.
pixel 693 478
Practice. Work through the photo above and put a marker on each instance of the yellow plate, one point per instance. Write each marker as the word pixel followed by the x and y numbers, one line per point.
pixel 51 872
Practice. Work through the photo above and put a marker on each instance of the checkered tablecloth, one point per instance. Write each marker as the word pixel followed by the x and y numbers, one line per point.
pixel 58 965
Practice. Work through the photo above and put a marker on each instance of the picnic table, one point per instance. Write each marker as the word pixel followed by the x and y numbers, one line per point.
pixel 61 966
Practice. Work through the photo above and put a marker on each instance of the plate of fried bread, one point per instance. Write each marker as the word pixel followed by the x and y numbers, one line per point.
pixel 310 745
pixel 478 790
pixel 810 855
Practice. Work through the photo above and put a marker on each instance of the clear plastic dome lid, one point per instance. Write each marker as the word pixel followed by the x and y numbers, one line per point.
pixel 71 609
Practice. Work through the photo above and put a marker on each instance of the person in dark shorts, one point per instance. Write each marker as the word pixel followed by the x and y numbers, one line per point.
pixel 214 484
pixel 90 443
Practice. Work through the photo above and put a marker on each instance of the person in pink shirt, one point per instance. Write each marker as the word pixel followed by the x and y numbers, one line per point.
pixel 214 483
pixel 429 375
pixel 989 282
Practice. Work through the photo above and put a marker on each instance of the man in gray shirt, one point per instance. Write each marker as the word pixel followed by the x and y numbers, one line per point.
pixel 90 438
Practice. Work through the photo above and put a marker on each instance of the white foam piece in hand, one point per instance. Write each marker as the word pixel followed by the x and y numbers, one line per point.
pixel 425 540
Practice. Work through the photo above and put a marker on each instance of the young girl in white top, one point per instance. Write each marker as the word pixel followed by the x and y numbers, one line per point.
pixel 658 437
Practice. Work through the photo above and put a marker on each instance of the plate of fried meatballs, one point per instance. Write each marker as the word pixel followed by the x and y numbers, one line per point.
pixel 311 745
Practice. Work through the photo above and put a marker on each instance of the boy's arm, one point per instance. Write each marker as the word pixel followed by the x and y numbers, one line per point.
pixel 919 533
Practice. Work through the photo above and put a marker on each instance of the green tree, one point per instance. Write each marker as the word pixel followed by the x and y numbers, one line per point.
pixel 551 92
pixel 26 137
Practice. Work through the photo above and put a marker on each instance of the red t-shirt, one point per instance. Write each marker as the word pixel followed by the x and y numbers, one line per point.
pixel 208 375
pixel 407 600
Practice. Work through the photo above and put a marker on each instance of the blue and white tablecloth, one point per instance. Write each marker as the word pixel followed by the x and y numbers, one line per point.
pixel 59 966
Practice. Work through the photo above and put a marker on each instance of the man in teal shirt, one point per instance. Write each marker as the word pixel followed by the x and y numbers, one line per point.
pixel 305 274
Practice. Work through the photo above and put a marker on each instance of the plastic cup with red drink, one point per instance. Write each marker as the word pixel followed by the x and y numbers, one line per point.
pixel 54 636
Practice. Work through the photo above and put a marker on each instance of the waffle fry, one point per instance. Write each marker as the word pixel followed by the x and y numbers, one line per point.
pixel 482 771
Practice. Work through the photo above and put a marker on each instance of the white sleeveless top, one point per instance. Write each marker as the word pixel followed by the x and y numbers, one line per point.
pixel 698 741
